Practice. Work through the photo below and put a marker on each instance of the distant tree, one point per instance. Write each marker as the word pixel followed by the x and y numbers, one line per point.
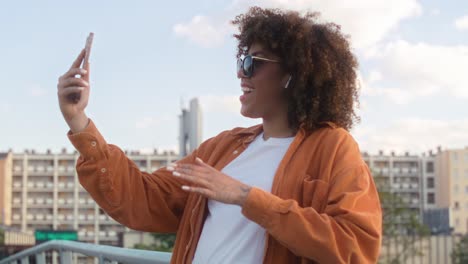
pixel 2 237
pixel 163 242
pixel 460 252
pixel 402 230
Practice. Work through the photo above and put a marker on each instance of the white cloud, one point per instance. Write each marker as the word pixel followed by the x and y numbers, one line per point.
pixel 412 135
pixel 220 103
pixel 406 71
pixel 435 12
pixel 367 21
pixel 36 91
pixel 462 23
pixel 203 31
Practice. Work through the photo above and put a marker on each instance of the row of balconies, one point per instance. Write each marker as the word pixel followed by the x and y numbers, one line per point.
pixel 44 169
pixel 405 185
pixel 406 170
pixel 61 217
pixel 50 201
pixel 84 233
pixel 42 185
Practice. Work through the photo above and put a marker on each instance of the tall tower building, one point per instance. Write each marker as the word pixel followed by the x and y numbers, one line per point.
pixel 190 133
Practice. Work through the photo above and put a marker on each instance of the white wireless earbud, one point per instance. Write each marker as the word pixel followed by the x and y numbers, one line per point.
pixel 287 83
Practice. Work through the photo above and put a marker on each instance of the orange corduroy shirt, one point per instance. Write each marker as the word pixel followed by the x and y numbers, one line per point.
pixel 323 206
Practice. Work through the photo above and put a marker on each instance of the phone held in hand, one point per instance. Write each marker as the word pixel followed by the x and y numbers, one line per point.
pixel 75 97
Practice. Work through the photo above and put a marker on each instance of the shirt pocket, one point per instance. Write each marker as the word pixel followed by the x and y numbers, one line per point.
pixel 314 193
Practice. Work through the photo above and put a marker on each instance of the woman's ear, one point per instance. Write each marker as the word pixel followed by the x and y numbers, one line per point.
pixel 287 83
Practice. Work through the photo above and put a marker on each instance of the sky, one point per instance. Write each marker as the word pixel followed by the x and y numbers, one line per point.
pixel 150 58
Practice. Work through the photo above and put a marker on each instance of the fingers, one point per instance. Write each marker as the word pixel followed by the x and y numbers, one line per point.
pixel 64 83
pixel 70 90
pixel 197 180
pixel 87 69
pixel 205 192
pixel 200 162
pixel 74 71
pixel 78 60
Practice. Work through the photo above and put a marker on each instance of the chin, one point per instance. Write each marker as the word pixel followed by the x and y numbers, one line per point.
pixel 250 114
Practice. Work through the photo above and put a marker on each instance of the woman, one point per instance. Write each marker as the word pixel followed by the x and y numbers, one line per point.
pixel 293 189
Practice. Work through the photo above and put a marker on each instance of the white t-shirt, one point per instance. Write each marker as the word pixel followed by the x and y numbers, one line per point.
pixel 227 236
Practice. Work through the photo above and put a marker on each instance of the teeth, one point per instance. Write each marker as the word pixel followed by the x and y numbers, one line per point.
pixel 245 89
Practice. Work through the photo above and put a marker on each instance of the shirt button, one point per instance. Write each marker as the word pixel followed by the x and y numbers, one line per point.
pixel 93 143
pixel 103 170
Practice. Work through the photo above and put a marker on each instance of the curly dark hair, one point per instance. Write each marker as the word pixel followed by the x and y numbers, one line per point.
pixel 324 85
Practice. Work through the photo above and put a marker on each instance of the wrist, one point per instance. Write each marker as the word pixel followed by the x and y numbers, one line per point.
pixel 244 192
pixel 78 123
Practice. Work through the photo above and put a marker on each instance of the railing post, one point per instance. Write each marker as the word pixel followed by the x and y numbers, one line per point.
pixel 65 257
pixel 40 258
pixel 25 260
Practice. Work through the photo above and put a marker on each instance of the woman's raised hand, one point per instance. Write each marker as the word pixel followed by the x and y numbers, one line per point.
pixel 73 94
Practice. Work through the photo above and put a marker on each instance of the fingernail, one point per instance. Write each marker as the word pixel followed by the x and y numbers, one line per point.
pixel 199 159
pixel 84 71
pixel 170 168
pixel 173 164
pixel 87 84
pixel 175 173
pixel 185 188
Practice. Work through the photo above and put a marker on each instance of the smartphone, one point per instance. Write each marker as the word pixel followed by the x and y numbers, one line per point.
pixel 75 97
pixel 89 44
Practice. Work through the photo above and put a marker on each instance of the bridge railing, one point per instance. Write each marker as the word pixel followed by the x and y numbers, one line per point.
pixel 104 254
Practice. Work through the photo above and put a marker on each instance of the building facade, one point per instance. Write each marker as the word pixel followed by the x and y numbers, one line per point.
pixel 408 176
pixel 46 194
pixel 452 187
pixel 190 128
pixel 5 188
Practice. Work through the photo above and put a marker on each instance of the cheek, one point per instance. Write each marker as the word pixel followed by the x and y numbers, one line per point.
pixel 267 88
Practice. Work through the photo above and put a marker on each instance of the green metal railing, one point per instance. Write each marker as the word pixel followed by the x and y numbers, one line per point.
pixel 104 254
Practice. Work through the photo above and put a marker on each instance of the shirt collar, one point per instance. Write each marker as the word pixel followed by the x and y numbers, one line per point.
pixel 257 129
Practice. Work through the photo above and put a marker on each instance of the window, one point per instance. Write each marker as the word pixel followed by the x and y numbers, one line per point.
pixel 431 198
pixel 455 173
pixel 430 182
pixel 455 156
pixel 466 189
pixel 430 167
pixel 456 206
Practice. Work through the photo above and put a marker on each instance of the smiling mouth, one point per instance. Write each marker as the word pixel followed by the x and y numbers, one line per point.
pixel 247 90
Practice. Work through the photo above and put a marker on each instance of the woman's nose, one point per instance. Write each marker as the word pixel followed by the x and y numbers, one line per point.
pixel 240 73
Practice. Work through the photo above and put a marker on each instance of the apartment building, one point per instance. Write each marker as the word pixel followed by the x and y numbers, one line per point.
pixel 411 177
pixel 5 193
pixel 46 194
pixel 452 186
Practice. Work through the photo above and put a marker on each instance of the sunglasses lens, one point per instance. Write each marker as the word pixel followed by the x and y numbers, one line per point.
pixel 239 64
pixel 248 66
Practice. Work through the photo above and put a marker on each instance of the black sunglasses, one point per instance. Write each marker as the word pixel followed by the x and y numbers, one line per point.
pixel 247 64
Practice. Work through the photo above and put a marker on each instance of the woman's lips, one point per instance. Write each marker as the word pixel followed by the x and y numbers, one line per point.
pixel 245 96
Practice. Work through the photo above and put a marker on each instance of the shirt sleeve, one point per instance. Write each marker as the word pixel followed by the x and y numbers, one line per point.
pixel 346 228
pixel 152 202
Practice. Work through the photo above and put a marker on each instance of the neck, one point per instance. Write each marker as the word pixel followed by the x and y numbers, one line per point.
pixel 277 126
